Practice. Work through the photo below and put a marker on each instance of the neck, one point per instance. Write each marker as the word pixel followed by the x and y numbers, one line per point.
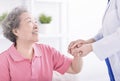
pixel 25 49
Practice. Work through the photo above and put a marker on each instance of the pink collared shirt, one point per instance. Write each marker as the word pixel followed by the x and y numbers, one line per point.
pixel 14 67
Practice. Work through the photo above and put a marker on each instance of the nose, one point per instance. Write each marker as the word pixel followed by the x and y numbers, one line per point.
pixel 35 25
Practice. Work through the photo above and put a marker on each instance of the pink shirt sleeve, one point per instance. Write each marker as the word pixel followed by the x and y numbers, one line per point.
pixel 4 68
pixel 61 63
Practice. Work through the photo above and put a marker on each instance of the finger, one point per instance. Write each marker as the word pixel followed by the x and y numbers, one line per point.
pixel 78 43
pixel 80 53
pixel 74 51
pixel 71 44
pixel 77 54
pixel 74 45
pixel 69 51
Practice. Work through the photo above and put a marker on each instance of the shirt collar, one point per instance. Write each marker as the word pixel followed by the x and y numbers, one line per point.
pixel 37 50
pixel 16 56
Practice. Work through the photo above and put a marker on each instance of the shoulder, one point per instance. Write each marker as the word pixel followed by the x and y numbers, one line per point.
pixel 6 53
pixel 44 47
pixel 4 57
pixel 47 49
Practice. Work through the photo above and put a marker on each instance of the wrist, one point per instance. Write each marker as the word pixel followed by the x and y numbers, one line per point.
pixel 90 41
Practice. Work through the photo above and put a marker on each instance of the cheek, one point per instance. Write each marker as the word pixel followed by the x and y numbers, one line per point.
pixel 24 33
pixel 25 29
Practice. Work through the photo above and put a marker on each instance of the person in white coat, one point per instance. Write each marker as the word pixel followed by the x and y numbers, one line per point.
pixel 106 44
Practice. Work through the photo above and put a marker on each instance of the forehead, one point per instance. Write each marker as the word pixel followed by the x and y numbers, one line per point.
pixel 25 16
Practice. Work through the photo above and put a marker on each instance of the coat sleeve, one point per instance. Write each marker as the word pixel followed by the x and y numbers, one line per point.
pixel 99 35
pixel 107 46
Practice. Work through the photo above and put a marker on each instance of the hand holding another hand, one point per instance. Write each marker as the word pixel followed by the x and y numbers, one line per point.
pixel 75 44
pixel 79 48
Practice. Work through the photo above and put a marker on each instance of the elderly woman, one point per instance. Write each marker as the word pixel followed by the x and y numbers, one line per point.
pixel 27 60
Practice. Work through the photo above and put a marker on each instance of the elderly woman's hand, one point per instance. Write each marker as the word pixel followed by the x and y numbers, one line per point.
pixel 75 44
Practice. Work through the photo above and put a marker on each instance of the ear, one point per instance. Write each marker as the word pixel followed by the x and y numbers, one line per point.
pixel 15 31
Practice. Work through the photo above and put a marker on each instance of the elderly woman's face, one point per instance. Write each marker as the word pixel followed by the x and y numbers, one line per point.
pixel 28 28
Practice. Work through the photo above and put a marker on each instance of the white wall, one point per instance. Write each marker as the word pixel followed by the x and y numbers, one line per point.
pixel 7 5
pixel 84 20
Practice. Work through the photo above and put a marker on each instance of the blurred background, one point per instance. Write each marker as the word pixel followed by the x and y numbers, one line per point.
pixel 62 21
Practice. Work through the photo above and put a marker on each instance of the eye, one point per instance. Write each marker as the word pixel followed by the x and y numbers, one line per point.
pixel 36 21
pixel 29 21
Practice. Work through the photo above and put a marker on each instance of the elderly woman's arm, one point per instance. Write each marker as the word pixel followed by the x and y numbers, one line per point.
pixel 76 65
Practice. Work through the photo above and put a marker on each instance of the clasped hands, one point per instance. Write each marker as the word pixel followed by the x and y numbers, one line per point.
pixel 79 48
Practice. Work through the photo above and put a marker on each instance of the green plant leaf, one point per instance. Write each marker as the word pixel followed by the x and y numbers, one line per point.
pixel 44 19
pixel 2 17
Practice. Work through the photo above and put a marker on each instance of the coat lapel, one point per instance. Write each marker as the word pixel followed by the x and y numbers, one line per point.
pixel 108 5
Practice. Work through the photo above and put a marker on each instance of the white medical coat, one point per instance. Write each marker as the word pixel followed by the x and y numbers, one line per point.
pixel 108 39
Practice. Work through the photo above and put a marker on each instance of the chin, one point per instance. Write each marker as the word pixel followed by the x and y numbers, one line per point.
pixel 33 41
pixel 37 40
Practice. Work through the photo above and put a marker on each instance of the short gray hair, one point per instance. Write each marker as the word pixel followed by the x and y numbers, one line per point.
pixel 11 22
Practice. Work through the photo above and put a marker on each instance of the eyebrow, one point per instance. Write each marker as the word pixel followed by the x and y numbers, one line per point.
pixel 27 18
